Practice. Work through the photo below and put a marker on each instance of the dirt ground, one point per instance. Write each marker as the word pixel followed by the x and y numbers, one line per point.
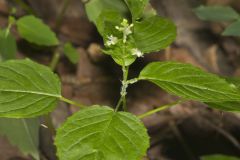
pixel 183 132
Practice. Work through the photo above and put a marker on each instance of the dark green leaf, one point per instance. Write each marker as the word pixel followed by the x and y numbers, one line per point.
pixel 71 53
pixel 136 7
pixel 23 133
pixel 95 7
pixel 27 89
pixel 190 82
pixel 34 30
pixel 216 13
pixel 8 46
pixel 154 34
pixel 219 157
pixel 99 133
pixel 233 29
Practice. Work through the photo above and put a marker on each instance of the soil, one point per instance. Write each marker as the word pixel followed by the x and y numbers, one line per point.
pixel 184 132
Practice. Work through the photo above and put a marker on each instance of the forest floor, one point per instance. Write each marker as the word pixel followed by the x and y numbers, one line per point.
pixel 183 132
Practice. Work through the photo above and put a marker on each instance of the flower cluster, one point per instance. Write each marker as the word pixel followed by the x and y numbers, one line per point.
pixel 126 29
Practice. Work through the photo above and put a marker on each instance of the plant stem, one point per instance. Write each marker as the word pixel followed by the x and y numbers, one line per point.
pixel 151 112
pixel 118 104
pixel 55 60
pixel 72 102
pixel 124 87
pixel 123 92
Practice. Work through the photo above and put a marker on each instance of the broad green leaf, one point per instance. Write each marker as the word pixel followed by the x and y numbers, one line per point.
pixel 71 53
pixel 154 34
pixel 99 133
pixel 216 13
pixel 219 157
pixel 189 82
pixel 27 89
pixel 136 7
pixel 229 106
pixel 95 7
pixel 34 30
pixel 8 46
pixel 233 29
pixel 23 133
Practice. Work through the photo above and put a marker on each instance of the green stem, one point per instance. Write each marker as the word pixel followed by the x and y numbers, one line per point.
pixel 123 92
pixel 54 61
pixel 124 87
pixel 11 21
pixel 119 104
pixel 151 112
pixel 72 102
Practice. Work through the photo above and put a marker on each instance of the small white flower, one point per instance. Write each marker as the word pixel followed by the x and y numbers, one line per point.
pixel 111 40
pixel 125 28
pixel 137 52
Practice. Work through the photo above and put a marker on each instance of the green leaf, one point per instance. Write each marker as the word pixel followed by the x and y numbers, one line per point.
pixel 189 82
pixel 154 34
pixel 233 29
pixel 234 80
pixel 216 13
pixel 71 53
pixel 34 30
pixel 8 46
pixel 95 7
pixel 100 133
pixel 23 133
pixel 229 106
pixel 106 23
pixel 136 7
pixel 219 157
pixel 27 89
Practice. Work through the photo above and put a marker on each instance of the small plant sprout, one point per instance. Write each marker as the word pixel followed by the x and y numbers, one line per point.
pixel 125 29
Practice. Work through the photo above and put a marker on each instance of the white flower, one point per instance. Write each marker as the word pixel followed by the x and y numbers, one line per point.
pixel 111 40
pixel 125 28
pixel 137 52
